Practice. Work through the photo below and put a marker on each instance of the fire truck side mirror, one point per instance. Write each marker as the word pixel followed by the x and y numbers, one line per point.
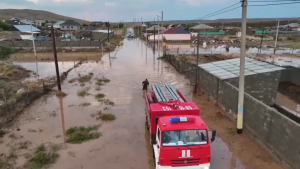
pixel 213 136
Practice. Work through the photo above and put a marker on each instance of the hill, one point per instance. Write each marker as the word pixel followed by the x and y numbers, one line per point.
pixel 35 15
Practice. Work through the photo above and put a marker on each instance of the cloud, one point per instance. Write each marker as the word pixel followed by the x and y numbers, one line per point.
pixel 110 4
pixel 202 2
pixel 148 14
pixel 37 1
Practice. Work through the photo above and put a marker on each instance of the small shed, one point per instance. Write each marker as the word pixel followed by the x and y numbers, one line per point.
pixel 261 80
pixel 26 31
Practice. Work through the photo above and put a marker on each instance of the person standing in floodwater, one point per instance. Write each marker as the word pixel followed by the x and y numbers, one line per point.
pixel 145 84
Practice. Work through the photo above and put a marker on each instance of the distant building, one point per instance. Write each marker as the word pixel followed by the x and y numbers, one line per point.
pixel 70 25
pixel 26 31
pixel 203 27
pixel 57 24
pixel 97 23
pixel 39 22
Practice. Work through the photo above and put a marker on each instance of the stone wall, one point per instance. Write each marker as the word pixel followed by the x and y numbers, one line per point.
pixel 292 75
pixel 273 131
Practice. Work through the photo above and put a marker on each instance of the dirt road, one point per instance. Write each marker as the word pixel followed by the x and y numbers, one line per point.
pixel 125 141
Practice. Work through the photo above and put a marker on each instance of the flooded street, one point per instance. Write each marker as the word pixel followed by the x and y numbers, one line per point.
pixel 124 142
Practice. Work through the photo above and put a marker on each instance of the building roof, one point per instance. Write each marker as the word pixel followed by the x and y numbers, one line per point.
pixel 102 31
pixel 27 22
pixel 70 23
pixel 27 28
pixel 57 24
pixel 157 27
pixel 202 26
pixel 228 69
pixel 176 30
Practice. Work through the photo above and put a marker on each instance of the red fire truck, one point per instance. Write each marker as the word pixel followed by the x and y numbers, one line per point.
pixel 179 137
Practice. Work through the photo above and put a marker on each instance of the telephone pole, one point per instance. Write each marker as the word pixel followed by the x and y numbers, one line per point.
pixel 242 70
pixel 196 82
pixel 55 59
pixel 276 37
pixel 162 31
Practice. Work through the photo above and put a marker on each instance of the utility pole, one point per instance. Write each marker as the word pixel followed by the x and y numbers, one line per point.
pixel 107 24
pixel 276 37
pixel 55 59
pixel 196 82
pixel 158 38
pixel 32 39
pixel 242 69
pixel 141 28
pixel 261 41
pixel 162 34
pixel 154 34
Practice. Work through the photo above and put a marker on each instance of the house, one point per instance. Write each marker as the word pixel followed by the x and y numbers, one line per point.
pixel 173 34
pixel 39 22
pixel 27 32
pixel 70 25
pixel 177 34
pixel 156 28
pixel 203 28
pixel 57 24
pixel 97 23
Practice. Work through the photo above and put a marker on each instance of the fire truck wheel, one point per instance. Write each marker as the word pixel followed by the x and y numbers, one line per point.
pixel 154 162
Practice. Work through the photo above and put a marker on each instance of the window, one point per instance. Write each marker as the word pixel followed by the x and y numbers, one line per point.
pixel 184 137
pixel 63 27
pixel 67 26
pixel 158 134
pixel 71 26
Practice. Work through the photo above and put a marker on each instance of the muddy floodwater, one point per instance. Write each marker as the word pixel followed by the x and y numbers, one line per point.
pixel 124 143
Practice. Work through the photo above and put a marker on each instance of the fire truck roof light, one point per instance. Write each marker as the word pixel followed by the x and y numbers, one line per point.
pixel 182 119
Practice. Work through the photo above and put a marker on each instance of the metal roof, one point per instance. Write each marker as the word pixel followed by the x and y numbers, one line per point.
pixel 202 26
pixel 26 28
pixel 228 69
pixel 176 30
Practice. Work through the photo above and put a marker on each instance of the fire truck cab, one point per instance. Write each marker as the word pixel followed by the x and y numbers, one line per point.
pixel 178 135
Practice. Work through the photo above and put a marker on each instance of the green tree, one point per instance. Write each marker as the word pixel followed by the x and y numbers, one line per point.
pixel 4 26
pixel 121 25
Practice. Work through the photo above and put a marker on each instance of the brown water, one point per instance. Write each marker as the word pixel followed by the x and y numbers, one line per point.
pixel 125 141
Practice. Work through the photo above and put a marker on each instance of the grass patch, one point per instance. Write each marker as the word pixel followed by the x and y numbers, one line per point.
pixel 4 165
pixel 24 144
pixel 108 117
pixel 85 78
pixel 72 80
pixel 85 104
pixel 78 135
pixel 40 148
pixel 56 147
pixel 106 102
pixel 13 136
pixel 83 92
pixel 102 81
pixel 99 96
pixel 41 159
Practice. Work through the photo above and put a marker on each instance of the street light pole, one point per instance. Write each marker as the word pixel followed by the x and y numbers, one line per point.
pixel 242 70
pixel 32 38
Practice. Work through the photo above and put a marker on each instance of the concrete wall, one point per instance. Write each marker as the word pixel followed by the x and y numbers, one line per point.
pixel 273 131
pixel 26 44
pixel 261 86
pixel 292 75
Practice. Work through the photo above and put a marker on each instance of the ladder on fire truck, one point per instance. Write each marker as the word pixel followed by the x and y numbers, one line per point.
pixel 165 93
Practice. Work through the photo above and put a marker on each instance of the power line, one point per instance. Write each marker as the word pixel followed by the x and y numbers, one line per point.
pixel 274 1
pixel 277 4
pixel 218 11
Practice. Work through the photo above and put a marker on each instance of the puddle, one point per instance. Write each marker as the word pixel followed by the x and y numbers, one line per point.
pixel 44 69
pixel 124 142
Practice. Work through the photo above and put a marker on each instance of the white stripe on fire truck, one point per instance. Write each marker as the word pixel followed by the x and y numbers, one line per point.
pixel 183 153
pixel 188 153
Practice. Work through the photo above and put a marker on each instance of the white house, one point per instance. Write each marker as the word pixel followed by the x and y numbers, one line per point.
pixel 70 25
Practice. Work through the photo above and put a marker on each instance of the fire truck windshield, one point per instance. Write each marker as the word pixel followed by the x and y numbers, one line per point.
pixel 184 137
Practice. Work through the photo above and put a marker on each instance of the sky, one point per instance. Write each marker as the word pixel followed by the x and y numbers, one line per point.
pixel 127 10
